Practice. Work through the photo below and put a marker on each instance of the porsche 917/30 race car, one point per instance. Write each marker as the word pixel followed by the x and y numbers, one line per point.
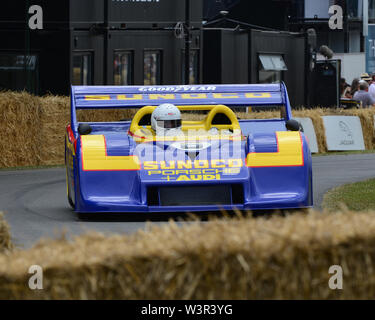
pixel 215 162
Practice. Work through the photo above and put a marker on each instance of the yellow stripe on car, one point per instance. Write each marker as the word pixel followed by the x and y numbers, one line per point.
pixel 290 152
pixel 95 158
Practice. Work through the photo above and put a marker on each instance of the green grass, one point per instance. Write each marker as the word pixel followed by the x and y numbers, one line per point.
pixel 358 196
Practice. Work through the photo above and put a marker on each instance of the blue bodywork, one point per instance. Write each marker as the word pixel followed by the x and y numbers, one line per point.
pixel 248 188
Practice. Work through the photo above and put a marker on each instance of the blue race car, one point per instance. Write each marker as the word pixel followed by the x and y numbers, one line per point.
pixel 214 162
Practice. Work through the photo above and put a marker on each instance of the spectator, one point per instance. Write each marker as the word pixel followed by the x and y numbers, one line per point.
pixel 371 89
pixel 354 86
pixel 345 89
pixel 346 94
pixel 343 86
pixel 365 77
pixel 363 96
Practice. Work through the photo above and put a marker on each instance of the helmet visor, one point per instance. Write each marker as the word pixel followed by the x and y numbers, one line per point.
pixel 169 124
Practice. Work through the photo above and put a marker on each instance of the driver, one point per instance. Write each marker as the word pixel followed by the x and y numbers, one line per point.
pixel 166 120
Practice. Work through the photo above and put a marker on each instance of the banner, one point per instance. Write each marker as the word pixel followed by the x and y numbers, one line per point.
pixel 343 133
pixel 309 130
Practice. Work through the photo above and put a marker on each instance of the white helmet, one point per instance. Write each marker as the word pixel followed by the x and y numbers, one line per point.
pixel 165 117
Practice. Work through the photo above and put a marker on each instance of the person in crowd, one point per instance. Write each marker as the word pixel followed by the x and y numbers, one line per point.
pixel 342 86
pixel 371 89
pixel 363 96
pixel 365 77
pixel 354 87
pixel 347 92
pixel 345 89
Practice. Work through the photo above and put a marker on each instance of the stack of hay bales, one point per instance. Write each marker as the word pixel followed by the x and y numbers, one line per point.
pixel 20 130
pixel 54 118
pixel 245 258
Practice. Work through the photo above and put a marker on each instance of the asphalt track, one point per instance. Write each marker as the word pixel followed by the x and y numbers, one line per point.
pixel 35 204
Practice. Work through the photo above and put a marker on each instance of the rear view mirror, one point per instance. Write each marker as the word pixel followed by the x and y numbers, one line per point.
pixel 84 129
pixel 293 125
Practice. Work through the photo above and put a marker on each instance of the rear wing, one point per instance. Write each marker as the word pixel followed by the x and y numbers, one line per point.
pixel 110 97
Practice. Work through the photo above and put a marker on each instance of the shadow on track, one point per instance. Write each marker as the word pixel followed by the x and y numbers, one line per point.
pixel 178 216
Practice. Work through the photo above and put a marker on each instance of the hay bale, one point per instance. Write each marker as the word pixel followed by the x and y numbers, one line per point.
pixel 109 115
pixel 54 118
pixel 19 122
pixel 5 238
pixel 277 258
